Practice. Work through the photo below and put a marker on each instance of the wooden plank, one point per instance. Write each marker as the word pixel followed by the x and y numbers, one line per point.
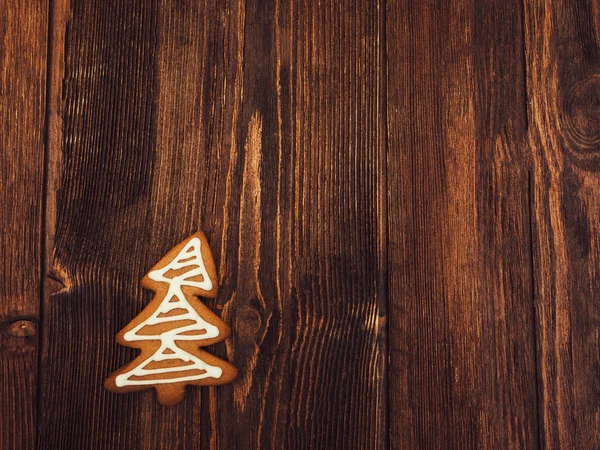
pixel 327 65
pixel 256 122
pixel 462 353
pixel 23 47
pixel 562 78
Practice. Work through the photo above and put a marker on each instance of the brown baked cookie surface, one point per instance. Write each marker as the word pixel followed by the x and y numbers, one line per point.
pixel 170 330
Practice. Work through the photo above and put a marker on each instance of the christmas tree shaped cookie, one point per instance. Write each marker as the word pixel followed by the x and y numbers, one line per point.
pixel 170 330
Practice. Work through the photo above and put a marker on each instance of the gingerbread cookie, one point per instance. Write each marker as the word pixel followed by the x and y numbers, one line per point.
pixel 170 330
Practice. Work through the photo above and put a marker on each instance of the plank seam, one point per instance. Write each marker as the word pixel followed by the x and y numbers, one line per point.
pixel 531 206
pixel 43 262
pixel 384 221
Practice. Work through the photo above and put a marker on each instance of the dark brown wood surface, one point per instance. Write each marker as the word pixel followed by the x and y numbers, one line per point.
pixel 462 340
pixel 23 48
pixel 257 123
pixel 401 197
pixel 563 59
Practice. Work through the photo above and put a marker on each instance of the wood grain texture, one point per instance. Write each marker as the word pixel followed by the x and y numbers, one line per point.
pixel 257 122
pixel 462 352
pixel 23 48
pixel 435 161
pixel 562 56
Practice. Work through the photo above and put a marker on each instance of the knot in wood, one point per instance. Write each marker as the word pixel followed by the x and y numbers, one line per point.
pixel 22 328
pixel 582 115
pixel 247 322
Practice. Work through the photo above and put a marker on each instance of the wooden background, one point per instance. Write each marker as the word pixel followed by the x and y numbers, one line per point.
pixel 402 196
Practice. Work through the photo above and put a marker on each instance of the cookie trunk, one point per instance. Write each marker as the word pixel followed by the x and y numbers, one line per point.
pixel 169 395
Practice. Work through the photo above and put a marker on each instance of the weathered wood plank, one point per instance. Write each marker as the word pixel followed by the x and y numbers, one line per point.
pixel 330 180
pixel 257 123
pixel 562 57
pixel 23 48
pixel 461 319
pixel 103 153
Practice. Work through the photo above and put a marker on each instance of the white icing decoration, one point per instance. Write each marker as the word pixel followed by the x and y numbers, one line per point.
pixel 190 256
pixel 140 371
